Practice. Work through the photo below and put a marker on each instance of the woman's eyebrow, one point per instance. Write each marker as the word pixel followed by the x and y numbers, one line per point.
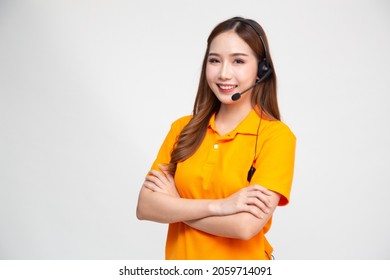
pixel 233 54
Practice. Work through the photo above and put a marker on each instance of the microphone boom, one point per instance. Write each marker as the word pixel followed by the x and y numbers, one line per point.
pixel 237 95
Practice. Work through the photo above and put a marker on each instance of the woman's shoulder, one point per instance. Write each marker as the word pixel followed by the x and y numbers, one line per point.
pixel 277 127
pixel 181 122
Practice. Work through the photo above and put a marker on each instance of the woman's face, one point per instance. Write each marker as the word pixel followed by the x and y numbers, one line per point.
pixel 231 67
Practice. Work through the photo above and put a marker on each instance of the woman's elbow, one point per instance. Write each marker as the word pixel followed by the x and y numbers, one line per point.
pixel 249 228
pixel 247 233
pixel 141 210
pixel 139 214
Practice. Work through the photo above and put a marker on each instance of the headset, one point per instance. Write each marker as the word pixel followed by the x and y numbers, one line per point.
pixel 264 70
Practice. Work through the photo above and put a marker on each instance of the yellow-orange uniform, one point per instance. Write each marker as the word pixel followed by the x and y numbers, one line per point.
pixel 218 169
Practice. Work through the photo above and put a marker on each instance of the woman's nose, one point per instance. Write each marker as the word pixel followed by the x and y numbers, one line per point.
pixel 225 72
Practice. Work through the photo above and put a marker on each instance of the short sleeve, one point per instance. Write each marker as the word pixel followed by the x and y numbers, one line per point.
pixel 164 154
pixel 275 162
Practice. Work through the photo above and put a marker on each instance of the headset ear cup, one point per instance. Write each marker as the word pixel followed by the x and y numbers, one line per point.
pixel 264 69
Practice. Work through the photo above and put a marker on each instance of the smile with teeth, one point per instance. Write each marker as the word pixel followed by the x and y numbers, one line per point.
pixel 226 87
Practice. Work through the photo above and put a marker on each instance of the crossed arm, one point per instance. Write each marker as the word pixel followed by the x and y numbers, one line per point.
pixel 241 215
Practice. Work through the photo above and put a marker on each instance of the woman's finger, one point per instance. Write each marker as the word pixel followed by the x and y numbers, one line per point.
pixel 261 188
pixel 153 179
pixel 252 201
pixel 151 186
pixel 255 211
pixel 261 197
pixel 159 175
pixel 166 172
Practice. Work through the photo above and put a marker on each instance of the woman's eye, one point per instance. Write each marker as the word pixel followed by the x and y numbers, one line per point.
pixel 213 60
pixel 239 61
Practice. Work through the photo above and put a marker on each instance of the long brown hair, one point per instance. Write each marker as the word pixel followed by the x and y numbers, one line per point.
pixel 264 95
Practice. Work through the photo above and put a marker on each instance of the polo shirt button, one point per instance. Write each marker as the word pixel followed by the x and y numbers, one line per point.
pixel 216 146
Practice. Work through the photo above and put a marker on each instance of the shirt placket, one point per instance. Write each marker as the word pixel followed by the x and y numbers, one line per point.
pixel 214 156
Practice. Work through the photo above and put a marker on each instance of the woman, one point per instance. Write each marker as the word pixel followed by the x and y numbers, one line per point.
pixel 221 172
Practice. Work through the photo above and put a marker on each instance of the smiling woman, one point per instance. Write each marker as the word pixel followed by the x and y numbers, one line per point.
pixel 231 67
pixel 204 182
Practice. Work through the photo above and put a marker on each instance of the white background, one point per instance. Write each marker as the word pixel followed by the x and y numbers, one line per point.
pixel 88 90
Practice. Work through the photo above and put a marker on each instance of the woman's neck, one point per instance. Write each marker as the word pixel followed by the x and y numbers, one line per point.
pixel 229 116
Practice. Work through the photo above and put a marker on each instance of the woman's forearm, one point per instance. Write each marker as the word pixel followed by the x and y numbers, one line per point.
pixel 241 225
pixel 160 202
pixel 163 208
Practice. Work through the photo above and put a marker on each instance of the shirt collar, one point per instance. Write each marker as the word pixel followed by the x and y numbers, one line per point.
pixel 247 126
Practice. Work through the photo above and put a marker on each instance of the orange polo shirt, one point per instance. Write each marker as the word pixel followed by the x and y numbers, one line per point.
pixel 218 169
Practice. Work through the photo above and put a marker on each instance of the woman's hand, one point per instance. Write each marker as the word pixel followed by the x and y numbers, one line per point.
pixel 161 182
pixel 254 199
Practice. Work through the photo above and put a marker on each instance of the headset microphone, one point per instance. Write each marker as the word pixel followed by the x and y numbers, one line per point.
pixel 237 95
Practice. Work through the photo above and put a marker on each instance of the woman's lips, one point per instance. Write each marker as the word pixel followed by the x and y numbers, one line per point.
pixel 226 88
